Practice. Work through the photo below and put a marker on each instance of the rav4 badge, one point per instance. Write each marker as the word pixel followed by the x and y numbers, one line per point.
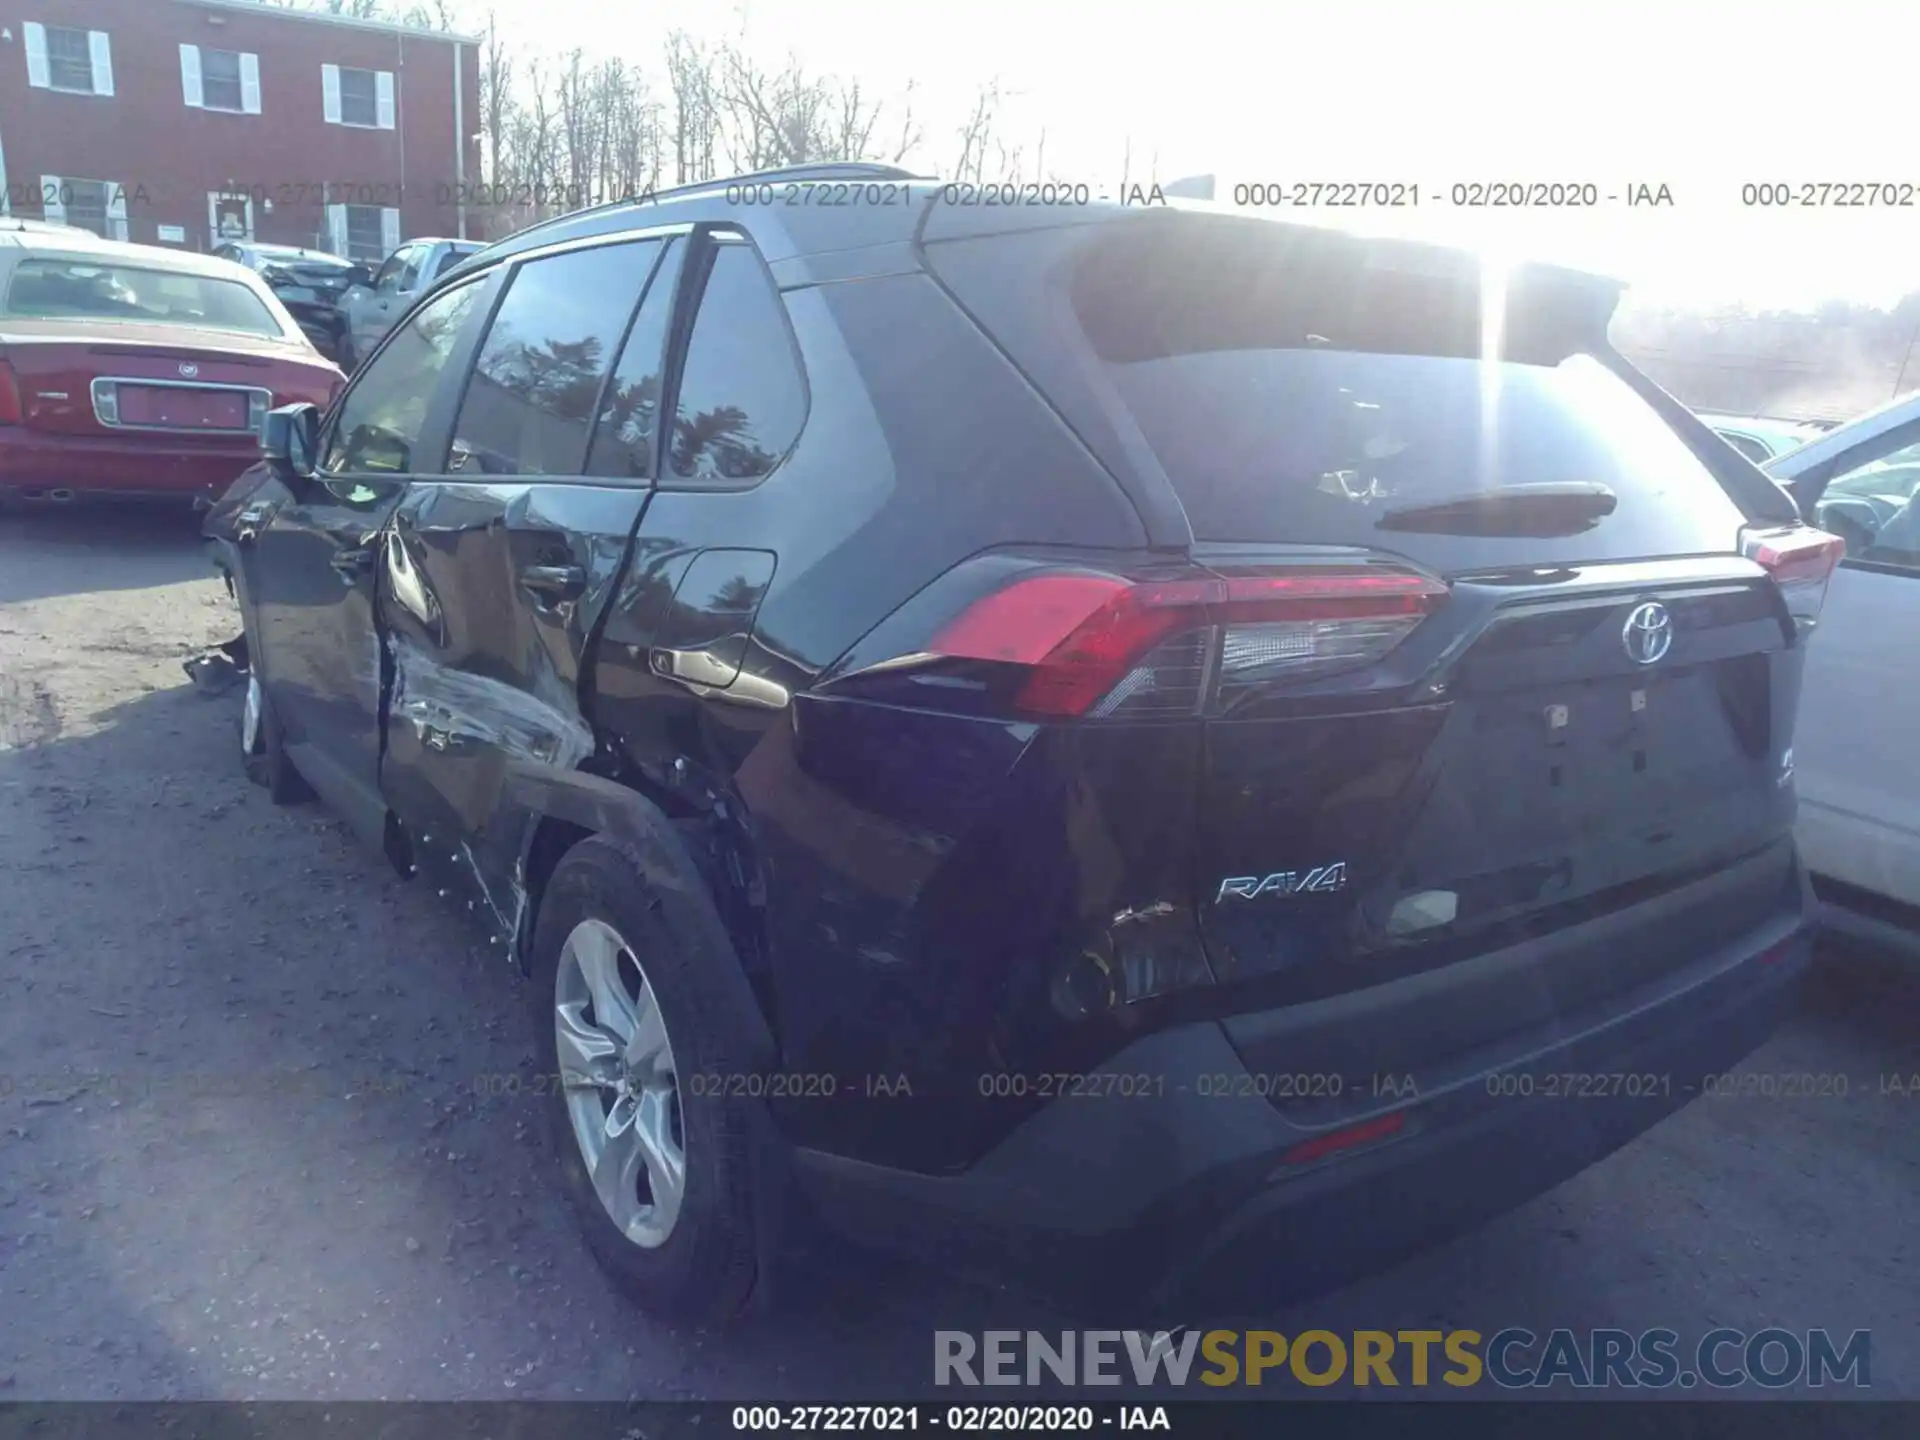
pixel 1284 882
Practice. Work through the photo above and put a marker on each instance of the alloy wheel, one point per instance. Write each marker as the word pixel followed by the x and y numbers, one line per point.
pixel 618 1080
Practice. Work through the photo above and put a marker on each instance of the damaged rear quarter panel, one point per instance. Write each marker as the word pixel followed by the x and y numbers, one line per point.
pixel 490 678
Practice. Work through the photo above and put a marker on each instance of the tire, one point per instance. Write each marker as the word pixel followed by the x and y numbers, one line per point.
pixel 261 752
pixel 700 1266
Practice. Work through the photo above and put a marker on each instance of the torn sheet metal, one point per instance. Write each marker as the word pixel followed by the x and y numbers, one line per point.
pixel 214 672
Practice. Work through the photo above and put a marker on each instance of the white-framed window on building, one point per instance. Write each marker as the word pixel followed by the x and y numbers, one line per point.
pixel 362 98
pixel 79 62
pixel 220 79
pixel 96 205
pixel 229 217
pixel 365 233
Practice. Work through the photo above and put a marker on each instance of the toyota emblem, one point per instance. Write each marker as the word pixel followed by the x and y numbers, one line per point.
pixel 1648 633
pixel 187 371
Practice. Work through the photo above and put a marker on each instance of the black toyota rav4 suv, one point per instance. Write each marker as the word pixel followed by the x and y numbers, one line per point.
pixel 1168 754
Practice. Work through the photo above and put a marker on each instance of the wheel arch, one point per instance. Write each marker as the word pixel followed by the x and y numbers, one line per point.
pixel 565 808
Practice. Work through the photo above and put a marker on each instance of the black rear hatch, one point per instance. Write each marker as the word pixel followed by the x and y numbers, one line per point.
pixel 1597 711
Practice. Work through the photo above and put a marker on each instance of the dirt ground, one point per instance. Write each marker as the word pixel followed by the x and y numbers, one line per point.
pixel 248 1147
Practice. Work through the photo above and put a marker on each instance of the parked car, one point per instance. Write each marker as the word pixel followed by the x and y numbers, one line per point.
pixel 1066 741
pixel 1859 787
pixel 310 283
pixel 1761 440
pixel 135 370
pixel 372 307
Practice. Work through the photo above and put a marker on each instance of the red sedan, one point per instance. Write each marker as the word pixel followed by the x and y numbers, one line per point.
pixel 130 370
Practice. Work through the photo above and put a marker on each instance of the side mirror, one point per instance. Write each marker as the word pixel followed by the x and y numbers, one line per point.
pixel 360 275
pixel 290 441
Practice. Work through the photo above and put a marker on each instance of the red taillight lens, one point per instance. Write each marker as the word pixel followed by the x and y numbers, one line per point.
pixel 1801 561
pixel 1354 1137
pixel 10 413
pixel 1095 644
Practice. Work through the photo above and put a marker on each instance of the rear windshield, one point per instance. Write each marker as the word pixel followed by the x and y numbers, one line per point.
pixel 1300 386
pixel 1334 439
pixel 46 288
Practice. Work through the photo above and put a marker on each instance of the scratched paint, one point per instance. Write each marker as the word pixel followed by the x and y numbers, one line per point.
pixel 456 708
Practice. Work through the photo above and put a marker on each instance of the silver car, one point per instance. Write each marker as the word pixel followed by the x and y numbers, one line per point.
pixel 372 310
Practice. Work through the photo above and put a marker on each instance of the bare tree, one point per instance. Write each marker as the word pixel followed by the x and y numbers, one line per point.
pixel 694 121
pixel 496 100
pixel 976 136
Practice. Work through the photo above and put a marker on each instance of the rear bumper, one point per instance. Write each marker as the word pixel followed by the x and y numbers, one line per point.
pixel 1187 1195
pixel 140 463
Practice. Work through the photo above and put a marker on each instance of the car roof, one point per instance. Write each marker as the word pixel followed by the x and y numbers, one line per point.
pixel 896 209
pixel 1824 447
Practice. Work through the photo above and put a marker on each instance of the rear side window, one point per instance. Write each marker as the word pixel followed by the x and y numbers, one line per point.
pixel 742 400
pixel 535 389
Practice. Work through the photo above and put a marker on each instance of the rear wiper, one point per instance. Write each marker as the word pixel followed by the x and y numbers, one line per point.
pixel 1557 507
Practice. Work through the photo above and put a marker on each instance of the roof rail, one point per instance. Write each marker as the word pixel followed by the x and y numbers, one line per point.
pixel 818 170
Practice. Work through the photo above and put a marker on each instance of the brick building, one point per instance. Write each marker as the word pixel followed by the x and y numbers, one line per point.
pixel 187 122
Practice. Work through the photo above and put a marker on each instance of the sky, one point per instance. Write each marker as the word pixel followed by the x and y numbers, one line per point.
pixel 1702 98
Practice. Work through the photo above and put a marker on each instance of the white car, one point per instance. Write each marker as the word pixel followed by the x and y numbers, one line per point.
pixel 1854 745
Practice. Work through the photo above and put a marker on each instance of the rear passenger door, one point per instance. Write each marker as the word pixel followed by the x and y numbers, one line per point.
pixel 687 681
pixel 497 569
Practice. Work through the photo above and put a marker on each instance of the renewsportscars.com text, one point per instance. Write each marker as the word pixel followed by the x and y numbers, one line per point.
pixel 1512 1358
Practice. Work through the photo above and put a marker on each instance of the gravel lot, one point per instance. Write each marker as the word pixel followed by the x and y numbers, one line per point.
pixel 242 1153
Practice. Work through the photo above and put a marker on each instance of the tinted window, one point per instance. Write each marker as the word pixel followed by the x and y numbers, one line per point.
pixel 1317 444
pixel 1299 386
pixel 629 416
pixel 1295 384
pixel 741 400
pixel 535 388
pixel 48 288
pixel 380 421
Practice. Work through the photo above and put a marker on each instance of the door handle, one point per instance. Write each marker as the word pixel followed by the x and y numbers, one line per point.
pixel 351 564
pixel 554 582
pixel 697 667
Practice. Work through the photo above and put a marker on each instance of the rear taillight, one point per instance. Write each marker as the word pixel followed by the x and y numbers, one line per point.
pixel 1096 645
pixel 1801 561
pixel 10 412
